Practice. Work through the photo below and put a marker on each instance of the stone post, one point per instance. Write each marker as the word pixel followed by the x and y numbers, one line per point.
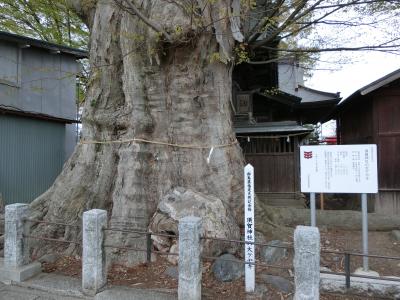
pixel 189 286
pixel 16 251
pixel 94 275
pixel 16 265
pixel 306 263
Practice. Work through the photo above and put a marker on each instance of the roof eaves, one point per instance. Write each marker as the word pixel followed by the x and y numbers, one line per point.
pixel 272 129
pixel 332 95
pixel 34 115
pixel 19 39
pixel 326 102
pixel 371 87
pixel 281 96
pixel 380 82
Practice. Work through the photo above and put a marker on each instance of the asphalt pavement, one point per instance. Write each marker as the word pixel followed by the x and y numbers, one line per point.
pixel 59 287
pixel 12 292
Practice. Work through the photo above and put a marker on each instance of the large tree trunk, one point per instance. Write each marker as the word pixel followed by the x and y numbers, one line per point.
pixel 143 88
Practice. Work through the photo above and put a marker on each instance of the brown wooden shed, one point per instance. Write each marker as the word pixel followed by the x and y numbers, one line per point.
pixel 371 115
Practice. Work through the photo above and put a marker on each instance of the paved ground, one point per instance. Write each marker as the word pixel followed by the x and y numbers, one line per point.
pixel 9 292
pixel 58 287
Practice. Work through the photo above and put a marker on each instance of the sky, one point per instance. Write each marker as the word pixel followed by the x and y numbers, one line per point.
pixel 366 68
pixel 348 71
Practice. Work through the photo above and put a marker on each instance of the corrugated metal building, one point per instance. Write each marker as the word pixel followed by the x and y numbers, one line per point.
pixel 37 114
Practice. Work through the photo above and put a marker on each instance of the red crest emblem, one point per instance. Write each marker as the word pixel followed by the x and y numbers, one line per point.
pixel 307 154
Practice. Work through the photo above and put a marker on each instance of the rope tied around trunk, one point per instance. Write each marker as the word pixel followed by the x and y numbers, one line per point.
pixel 139 140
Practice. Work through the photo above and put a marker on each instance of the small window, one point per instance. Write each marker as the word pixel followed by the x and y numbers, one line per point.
pixel 9 62
pixel 243 103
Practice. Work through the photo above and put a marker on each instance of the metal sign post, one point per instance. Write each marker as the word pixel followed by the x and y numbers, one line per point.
pixel 364 208
pixel 313 210
pixel 249 234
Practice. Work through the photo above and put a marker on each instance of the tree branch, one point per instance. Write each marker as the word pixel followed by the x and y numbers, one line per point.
pixel 146 20
pixel 292 18
pixel 381 47
pixel 255 32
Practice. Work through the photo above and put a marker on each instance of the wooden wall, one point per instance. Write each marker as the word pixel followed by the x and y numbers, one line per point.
pixel 387 136
pixel 375 118
pixel 355 123
pixel 275 164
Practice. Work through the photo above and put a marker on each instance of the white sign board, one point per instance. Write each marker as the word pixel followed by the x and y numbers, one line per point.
pixel 339 169
pixel 249 228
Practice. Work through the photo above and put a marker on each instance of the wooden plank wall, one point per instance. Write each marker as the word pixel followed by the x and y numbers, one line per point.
pixel 274 172
pixel 387 125
pixel 375 118
pixel 275 163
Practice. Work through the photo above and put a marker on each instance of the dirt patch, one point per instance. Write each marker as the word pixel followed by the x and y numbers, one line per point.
pixel 380 243
pixel 66 265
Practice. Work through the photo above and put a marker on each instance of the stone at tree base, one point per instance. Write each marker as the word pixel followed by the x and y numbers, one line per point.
pixel 49 258
pixel 218 221
pixel 173 259
pixel 360 271
pixel 260 238
pixel 395 235
pixel 260 292
pixel 172 272
pixel 225 270
pixel 325 269
pixel 278 282
pixel 273 254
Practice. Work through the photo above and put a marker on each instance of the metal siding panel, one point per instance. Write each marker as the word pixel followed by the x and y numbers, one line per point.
pixel 30 94
pixel 51 81
pixel 31 157
pixel 44 87
pixel 9 62
pixel 69 69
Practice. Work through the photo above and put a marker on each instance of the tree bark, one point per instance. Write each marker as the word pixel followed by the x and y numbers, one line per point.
pixel 141 87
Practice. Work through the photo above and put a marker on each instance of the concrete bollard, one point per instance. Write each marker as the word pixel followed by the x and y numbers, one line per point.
pixel 306 263
pixel 94 274
pixel 16 266
pixel 16 252
pixel 189 285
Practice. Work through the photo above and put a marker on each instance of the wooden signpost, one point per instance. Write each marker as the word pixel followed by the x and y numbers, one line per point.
pixel 249 232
